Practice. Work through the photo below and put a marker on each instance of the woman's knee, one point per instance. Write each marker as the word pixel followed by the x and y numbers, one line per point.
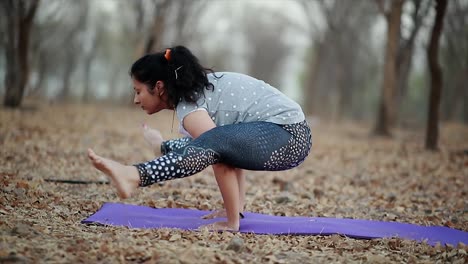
pixel 222 168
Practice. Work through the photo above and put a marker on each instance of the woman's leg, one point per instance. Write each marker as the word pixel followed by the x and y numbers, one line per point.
pixel 173 144
pixel 275 148
pixel 229 188
pixel 258 145
pixel 242 188
pixel 253 146
pixel 125 178
pixel 241 185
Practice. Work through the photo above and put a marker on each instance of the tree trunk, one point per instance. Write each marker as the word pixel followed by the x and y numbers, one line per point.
pixel 405 51
pixel 432 130
pixel 465 106
pixel 154 41
pixel 89 56
pixel 67 75
pixel 88 62
pixel 454 63
pixel 386 111
pixel 310 85
pixel 19 16
pixel 41 74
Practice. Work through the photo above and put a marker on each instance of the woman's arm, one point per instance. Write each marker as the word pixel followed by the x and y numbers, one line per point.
pixel 197 123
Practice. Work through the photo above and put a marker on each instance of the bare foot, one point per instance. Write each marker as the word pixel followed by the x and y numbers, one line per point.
pixel 125 178
pixel 220 226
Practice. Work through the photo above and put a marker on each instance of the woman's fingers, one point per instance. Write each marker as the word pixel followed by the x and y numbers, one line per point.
pixel 220 213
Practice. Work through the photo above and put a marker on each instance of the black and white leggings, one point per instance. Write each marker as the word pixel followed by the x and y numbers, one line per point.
pixel 252 146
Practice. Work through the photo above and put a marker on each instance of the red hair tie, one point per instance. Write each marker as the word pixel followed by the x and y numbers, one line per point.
pixel 167 55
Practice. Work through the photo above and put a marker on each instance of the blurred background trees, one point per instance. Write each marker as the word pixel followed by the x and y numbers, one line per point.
pixel 358 60
pixel 17 22
pixel 341 62
pixel 432 130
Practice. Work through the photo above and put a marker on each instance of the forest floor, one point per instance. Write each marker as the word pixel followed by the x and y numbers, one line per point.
pixel 349 174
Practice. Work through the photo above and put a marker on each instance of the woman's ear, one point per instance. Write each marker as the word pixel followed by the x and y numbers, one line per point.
pixel 159 88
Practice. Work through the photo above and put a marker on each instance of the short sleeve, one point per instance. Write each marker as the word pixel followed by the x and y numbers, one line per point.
pixel 184 108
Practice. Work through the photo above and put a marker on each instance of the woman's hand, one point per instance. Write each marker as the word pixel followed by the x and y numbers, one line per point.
pixel 220 226
pixel 154 138
pixel 216 214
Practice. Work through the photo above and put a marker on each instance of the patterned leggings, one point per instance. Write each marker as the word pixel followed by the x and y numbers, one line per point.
pixel 251 146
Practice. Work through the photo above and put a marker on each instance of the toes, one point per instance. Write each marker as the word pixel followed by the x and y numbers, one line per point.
pixel 97 161
pixel 94 157
pixel 91 154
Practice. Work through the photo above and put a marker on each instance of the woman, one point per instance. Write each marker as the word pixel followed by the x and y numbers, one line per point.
pixel 232 122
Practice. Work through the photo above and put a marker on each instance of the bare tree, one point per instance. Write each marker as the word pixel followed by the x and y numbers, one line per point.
pixel 351 65
pixel 267 48
pixel 92 39
pixel 46 43
pixel 406 47
pixel 454 55
pixel 154 39
pixel 315 62
pixel 386 110
pixel 187 12
pixel 149 32
pixel 432 130
pixel 19 16
pixel 336 74
pixel 138 8
pixel 76 27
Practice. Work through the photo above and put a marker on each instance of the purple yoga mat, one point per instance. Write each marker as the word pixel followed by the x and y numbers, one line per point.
pixel 136 216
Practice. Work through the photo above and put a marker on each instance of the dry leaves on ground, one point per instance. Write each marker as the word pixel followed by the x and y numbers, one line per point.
pixel 348 174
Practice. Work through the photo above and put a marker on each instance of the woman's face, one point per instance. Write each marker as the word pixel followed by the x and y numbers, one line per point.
pixel 150 102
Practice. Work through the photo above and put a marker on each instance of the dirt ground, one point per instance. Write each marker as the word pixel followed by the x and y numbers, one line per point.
pixel 348 175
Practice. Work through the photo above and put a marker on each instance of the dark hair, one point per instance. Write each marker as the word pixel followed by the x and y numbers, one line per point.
pixel 183 76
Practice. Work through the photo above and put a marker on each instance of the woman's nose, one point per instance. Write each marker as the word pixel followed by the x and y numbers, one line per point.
pixel 135 100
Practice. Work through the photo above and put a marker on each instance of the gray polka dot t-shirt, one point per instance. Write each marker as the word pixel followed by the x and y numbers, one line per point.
pixel 238 98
